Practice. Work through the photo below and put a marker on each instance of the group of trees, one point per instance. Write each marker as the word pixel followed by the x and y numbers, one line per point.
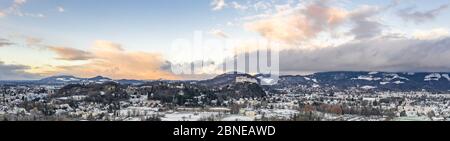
pixel 341 109
pixel 189 94
pixel 106 93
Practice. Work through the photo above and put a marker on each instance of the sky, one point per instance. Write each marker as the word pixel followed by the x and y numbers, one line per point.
pixel 134 39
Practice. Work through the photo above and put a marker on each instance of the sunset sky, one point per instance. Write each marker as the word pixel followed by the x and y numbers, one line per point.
pixel 133 38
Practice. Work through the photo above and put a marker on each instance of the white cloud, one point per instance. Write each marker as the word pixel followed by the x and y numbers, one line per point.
pixel 262 5
pixel 15 9
pixel 380 54
pixel 238 6
pixel 431 34
pixel 218 5
pixel 219 33
pixel 408 14
pixel 230 24
pixel 60 9
pixel 20 1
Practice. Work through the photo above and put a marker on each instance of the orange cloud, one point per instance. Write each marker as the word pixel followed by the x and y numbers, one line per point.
pixel 65 53
pixel 288 29
pixel 111 60
pixel 298 24
pixel 219 33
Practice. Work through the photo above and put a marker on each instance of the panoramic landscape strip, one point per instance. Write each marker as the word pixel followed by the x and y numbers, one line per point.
pixel 224 60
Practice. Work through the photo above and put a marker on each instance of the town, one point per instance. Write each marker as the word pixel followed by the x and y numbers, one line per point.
pixel 241 99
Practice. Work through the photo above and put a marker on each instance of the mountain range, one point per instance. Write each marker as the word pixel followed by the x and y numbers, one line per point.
pixel 373 81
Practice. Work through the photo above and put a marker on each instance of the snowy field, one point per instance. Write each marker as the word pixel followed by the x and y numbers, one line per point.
pixel 237 118
pixel 187 116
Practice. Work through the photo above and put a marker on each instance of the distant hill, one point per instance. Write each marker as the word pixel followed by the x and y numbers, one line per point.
pixel 227 79
pixel 376 81
pixel 438 82
pixel 68 79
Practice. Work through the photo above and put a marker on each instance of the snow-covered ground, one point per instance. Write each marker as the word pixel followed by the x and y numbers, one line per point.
pixel 412 118
pixel 237 118
pixel 433 77
pixel 187 116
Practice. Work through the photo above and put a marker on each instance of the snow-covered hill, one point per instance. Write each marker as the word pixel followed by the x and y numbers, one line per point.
pixel 381 81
